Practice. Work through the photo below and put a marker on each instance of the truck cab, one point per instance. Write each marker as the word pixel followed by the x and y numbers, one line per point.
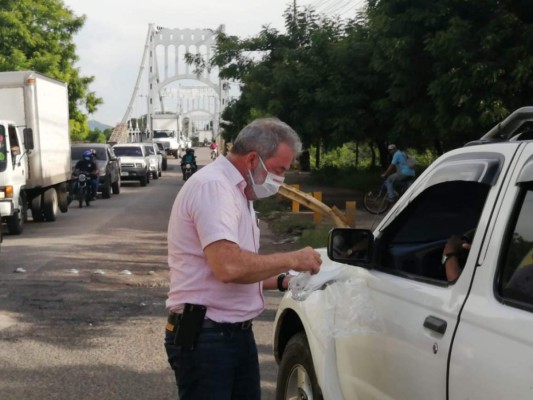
pixel 13 174
pixel 383 320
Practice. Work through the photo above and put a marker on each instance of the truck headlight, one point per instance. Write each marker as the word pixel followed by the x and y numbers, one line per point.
pixel 6 192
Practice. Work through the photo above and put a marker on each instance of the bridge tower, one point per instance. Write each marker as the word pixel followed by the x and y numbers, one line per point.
pixel 169 78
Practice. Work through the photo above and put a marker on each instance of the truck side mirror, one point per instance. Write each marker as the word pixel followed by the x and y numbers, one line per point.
pixel 28 138
pixel 351 246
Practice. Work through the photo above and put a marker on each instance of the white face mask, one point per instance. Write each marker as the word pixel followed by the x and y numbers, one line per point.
pixel 269 187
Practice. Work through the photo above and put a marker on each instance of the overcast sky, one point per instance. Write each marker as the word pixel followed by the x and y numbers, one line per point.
pixel 111 43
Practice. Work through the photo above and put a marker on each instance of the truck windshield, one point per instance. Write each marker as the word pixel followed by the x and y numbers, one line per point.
pixel 133 151
pixel 3 154
pixel 163 134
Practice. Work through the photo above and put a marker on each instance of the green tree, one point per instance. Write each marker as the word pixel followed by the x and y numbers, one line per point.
pixel 38 35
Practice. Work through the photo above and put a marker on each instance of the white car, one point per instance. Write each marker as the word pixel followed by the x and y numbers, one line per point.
pixel 155 159
pixel 382 321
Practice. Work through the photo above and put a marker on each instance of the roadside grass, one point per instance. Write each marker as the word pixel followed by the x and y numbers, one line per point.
pixel 276 211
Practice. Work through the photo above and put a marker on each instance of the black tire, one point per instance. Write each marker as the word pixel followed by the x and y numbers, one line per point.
pixel 106 189
pixel 116 186
pixel 50 205
pixel 87 197
pixel 81 196
pixel 143 180
pixel 165 164
pixel 36 209
pixel 296 374
pixel 63 197
pixel 375 201
pixel 155 175
pixel 15 222
pixel 187 175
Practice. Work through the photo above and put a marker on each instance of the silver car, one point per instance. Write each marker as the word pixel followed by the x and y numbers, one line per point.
pixel 134 162
pixel 155 159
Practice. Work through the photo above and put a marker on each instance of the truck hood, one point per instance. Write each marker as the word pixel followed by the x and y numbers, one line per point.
pixel 130 160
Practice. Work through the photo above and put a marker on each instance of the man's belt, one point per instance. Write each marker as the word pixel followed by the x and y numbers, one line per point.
pixel 173 320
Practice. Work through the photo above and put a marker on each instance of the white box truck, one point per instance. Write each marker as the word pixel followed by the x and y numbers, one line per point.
pixel 34 148
pixel 165 131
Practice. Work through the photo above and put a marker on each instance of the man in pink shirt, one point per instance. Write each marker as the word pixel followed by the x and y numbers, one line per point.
pixel 217 276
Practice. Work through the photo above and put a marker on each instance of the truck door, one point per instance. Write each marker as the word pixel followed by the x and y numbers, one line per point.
pixel 417 305
pixel 492 355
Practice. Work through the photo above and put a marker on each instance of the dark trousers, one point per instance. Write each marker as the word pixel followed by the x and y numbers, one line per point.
pixel 223 366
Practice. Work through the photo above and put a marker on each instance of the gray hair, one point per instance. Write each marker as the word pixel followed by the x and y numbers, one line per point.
pixel 264 135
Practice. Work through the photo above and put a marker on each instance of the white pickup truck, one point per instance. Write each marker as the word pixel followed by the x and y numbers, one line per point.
pixel 382 321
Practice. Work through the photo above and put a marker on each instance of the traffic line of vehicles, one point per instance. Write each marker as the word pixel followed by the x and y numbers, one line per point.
pixel 37 158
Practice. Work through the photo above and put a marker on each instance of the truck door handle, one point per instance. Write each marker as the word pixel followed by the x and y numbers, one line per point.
pixel 435 324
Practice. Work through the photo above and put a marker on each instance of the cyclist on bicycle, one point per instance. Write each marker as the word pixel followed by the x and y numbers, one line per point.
pixel 399 171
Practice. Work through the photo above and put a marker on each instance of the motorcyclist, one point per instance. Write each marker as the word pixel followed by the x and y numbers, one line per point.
pixel 214 149
pixel 88 165
pixel 188 158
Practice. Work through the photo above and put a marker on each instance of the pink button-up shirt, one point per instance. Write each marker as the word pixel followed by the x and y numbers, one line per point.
pixel 212 206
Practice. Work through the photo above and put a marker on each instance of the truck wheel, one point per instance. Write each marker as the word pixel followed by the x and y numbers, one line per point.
pixel 51 205
pixel 36 209
pixel 116 186
pixel 106 189
pixel 15 222
pixel 63 198
pixel 143 181
pixel 155 175
pixel 165 164
pixel 296 375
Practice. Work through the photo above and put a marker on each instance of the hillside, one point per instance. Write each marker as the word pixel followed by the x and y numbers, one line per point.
pixel 98 125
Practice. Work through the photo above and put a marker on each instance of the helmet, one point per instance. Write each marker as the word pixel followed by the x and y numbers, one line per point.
pixel 189 151
pixel 87 155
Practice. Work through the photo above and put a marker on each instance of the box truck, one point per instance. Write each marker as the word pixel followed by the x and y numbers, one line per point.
pixel 34 148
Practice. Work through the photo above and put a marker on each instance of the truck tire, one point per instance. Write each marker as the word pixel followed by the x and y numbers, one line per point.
pixel 106 188
pixel 36 209
pixel 15 222
pixel 155 175
pixel 116 186
pixel 63 199
pixel 143 180
pixel 50 205
pixel 296 375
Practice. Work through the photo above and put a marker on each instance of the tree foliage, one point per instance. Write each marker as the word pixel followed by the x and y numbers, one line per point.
pixel 424 75
pixel 38 36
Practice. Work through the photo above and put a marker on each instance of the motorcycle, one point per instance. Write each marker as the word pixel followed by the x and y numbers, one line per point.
pixel 214 154
pixel 82 189
pixel 187 171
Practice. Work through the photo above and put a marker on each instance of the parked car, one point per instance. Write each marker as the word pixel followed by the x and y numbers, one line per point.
pixel 163 152
pixel 155 159
pixel 108 164
pixel 134 162
pixel 384 320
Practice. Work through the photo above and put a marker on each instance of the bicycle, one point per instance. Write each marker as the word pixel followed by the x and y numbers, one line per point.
pixel 376 201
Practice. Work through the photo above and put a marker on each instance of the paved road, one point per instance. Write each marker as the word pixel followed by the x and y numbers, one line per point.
pixel 75 325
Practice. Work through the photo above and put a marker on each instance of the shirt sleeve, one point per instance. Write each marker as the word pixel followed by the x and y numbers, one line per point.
pixel 215 212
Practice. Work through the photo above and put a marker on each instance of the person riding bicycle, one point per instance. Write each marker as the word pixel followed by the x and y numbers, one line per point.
pixel 88 165
pixel 189 158
pixel 399 171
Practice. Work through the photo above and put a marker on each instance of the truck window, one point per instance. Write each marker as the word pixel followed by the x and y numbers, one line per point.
pixel 13 141
pixel 515 278
pixel 413 243
pixel 3 154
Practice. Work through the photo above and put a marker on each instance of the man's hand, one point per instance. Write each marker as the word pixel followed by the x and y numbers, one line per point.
pixel 306 260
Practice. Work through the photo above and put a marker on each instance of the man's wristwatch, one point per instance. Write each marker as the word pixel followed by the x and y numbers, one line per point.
pixel 281 277
pixel 446 256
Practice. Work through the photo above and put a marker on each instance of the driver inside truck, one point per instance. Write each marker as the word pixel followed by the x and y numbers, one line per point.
pixel 455 254
pixel 2 148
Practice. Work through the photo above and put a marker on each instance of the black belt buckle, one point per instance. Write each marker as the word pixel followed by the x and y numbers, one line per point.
pixel 246 325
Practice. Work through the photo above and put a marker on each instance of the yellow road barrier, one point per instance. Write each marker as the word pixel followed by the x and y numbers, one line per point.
pixel 339 219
